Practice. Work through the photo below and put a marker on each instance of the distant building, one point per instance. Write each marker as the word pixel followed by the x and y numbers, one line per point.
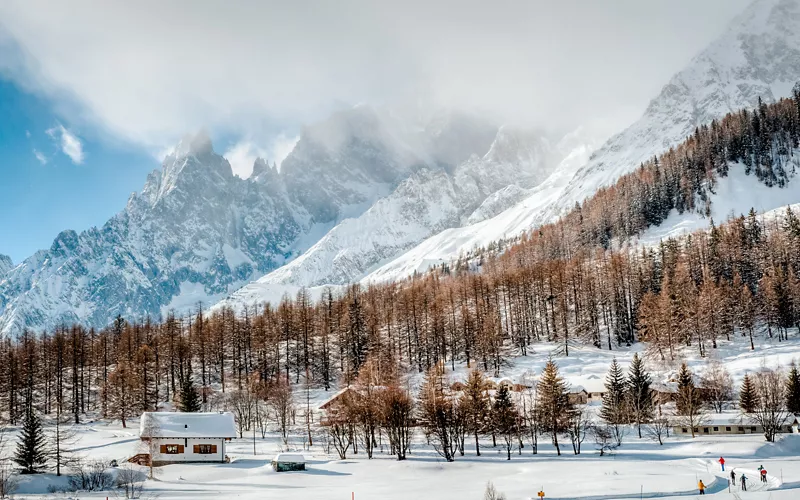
pixel 726 424
pixel 187 437
pixel 578 395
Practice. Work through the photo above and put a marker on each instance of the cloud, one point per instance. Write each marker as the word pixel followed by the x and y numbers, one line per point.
pixel 69 143
pixel 252 67
pixel 40 156
pixel 243 154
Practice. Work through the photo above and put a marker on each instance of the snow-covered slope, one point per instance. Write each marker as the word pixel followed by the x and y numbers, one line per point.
pixel 5 264
pixel 450 243
pixel 734 195
pixel 424 204
pixel 196 232
pixel 757 56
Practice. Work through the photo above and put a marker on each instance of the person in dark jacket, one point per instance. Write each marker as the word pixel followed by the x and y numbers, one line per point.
pixel 733 478
pixel 744 482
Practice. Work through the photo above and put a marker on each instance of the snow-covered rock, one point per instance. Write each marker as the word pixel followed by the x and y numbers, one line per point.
pixel 424 204
pixel 757 56
pixel 5 264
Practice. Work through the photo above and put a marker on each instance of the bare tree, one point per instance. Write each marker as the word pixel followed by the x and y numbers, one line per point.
pixel 492 494
pixel 578 426
pixel 149 442
pixel 604 439
pixel 717 385
pixel 397 418
pixel 659 428
pixel 770 405
pixel 62 437
pixel 438 413
pixel 690 405
pixel 130 481
pixel 9 480
pixel 241 404
pixel 282 403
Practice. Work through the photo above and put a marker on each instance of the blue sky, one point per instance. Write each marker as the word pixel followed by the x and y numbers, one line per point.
pixel 38 200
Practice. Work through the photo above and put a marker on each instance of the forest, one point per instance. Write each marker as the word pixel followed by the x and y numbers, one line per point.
pixel 577 281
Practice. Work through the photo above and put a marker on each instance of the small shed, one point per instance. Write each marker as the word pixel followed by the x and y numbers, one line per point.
pixel 285 462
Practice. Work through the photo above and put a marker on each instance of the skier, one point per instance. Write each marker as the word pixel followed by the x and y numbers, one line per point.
pixel 763 475
pixel 733 478
pixel 722 463
pixel 701 487
pixel 744 482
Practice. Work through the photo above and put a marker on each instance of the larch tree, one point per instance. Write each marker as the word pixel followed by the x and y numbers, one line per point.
pixel 475 406
pixel 552 400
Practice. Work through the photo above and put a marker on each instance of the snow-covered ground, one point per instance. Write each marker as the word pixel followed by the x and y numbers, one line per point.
pixel 639 469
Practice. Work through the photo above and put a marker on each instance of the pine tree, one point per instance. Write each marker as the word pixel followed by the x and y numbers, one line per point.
pixel 504 417
pixel 640 398
pixel 614 409
pixel 685 383
pixel 190 400
pixel 31 454
pixel 474 404
pixel 555 410
pixel 747 395
pixel 793 390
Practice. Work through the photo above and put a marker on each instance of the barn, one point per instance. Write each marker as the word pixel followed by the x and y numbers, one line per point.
pixel 186 437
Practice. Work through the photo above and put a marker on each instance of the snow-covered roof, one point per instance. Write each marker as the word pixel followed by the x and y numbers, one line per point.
pixel 293 458
pixel 187 425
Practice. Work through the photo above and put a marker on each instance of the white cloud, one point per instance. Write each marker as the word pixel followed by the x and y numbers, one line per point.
pixel 69 143
pixel 28 134
pixel 255 65
pixel 40 156
pixel 243 154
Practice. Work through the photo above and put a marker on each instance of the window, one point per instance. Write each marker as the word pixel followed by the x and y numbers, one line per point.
pixel 205 449
pixel 728 429
pixel 171 449
pixel 716 429
pixel 753 428
pixel 705 430
pixel 741 429
pixel 683 430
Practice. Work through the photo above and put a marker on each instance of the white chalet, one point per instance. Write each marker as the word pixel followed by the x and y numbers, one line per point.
pixel 187 437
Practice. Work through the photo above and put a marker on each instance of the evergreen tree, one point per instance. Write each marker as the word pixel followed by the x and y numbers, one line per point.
pixel 504 417
pixel 190 400
pixel 474 404
pixel 640 397
pixel 614 408
pixel 555 409
pixel 31 454
pixel 747 395
pixel 793 390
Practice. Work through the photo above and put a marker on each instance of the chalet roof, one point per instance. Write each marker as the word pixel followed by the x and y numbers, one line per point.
pixel 187 425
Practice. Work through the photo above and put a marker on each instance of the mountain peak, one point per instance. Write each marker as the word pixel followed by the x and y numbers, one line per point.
pixel 194 144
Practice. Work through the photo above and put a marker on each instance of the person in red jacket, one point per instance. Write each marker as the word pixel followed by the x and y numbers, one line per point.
pixel 763 475
pixel 722 463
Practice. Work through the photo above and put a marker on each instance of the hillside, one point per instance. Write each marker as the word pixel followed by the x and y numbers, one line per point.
pixel 758 56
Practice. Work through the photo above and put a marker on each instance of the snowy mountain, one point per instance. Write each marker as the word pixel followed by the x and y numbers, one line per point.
pixel 196 233
pixel 425 203
pixel 757 56
pixel 5 264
